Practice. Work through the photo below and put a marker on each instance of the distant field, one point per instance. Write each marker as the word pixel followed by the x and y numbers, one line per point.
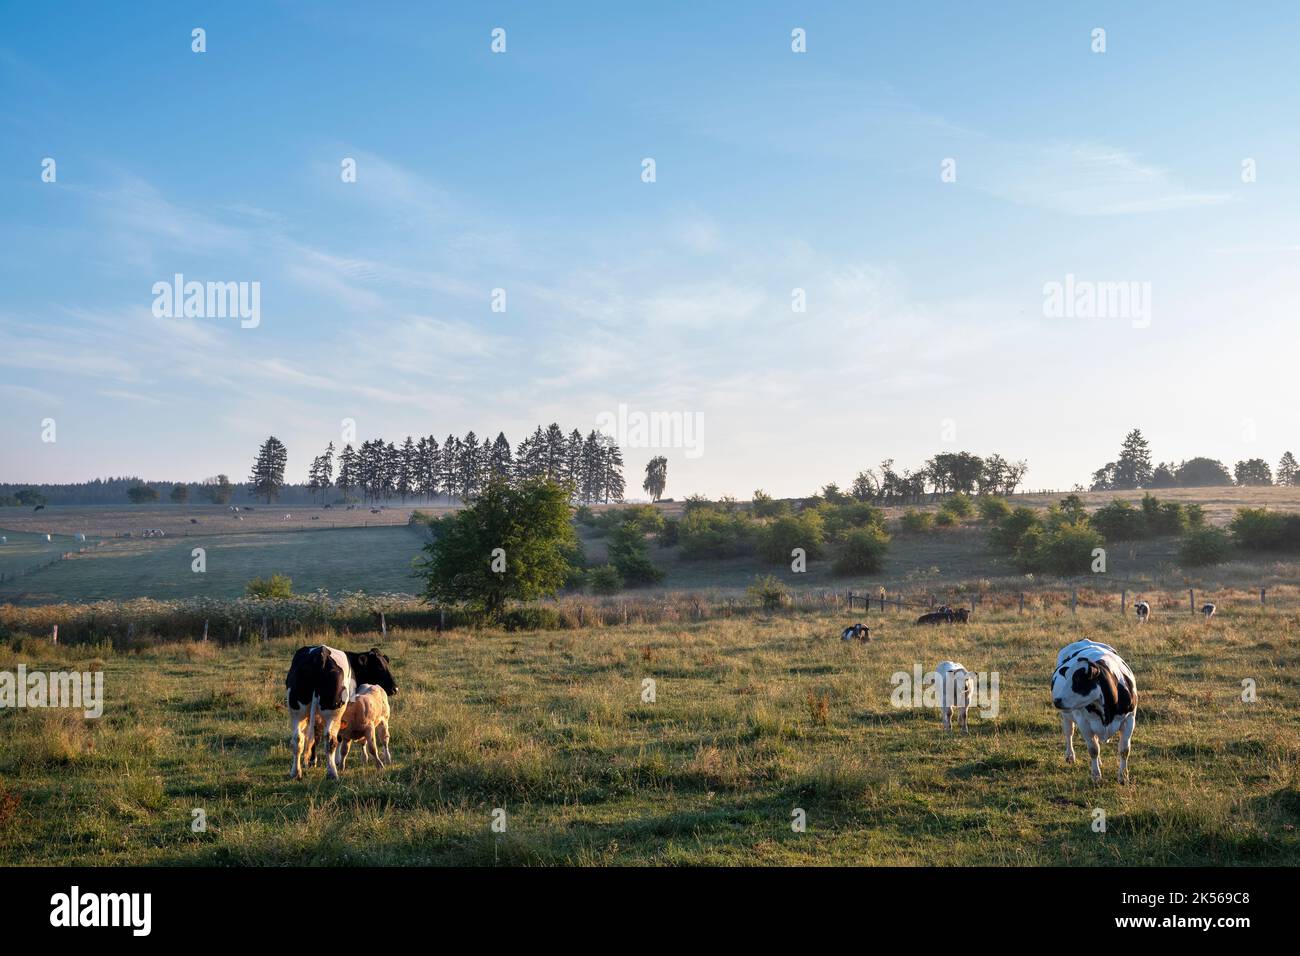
pixel 552 728
pixel 106 521
pixel 357 550
pixel 21 551
pixel 344 559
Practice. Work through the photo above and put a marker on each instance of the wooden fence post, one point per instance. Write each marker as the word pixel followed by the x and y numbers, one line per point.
pixel 1074 600
pixel 383 625
pixel 205 630
pixel 55 636
pixel 1261 596
pixel 263 627
pixel 1022 602
pixel 1191 600
pixel 442 619
pixel 1123 601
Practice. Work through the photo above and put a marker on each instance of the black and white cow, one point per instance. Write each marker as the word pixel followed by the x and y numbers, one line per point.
pixel 1207 610
pixel 323 680
pixel 1143 610
pixel 858 632
pixel 1094 689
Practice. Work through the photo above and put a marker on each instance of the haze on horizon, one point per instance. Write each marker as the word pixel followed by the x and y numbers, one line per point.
pixel 775 171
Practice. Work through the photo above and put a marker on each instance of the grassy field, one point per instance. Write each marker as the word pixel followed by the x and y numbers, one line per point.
pixel 551 728
pixel 373 559
pixel 341 550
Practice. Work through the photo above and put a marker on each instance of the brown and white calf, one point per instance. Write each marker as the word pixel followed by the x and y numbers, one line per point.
pixel 321 682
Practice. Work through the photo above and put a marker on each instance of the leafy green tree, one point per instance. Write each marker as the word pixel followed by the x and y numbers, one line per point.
pixel 180 493
pixel 530 525
pixel 140 494
pixel 1202 472
pixel 217 490
pixel 656 477
pixel 1254 471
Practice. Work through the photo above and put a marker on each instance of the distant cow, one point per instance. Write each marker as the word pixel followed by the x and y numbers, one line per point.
pixel 857 632
pixel 1208 610
pixel 323 681
pixel 39 508
pixel 1143 610
pixel 945 615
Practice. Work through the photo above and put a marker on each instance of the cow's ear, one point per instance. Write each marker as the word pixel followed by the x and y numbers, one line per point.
pixel 363 659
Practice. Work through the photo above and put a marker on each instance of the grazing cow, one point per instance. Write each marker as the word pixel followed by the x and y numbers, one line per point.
pixel 1208 610
pixel 1143 610
pixel 39 508
pixel 858 632
pixel 323 680
pixel 1094 689
pixel 956 686
pixel 944 615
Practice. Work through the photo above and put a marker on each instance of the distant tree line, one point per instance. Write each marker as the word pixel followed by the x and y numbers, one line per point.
pixel 946 473
pixel 1134 469
pixel 590 468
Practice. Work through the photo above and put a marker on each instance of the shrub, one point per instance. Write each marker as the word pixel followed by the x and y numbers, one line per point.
pixel 276 586
pixel 993 509
pixel 627 552
pixel 863 551
pixel 668 534
pixel 1195 515
pixel 1008 534
pixel 770 592
pixel 1259 529
pixel 958 505
pixel 851 514
pixel 604 579
pixel 532 619
pixel 1065 549
pixel 764 506
pixel 945 519
pixel 1204 546
pixel 917 521
pixel 646 518
pixel 1120 521
pixel 708 533
pixel 584 515
pixel 783 535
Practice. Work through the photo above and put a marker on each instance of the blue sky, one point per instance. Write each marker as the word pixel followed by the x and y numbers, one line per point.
pixel 522 171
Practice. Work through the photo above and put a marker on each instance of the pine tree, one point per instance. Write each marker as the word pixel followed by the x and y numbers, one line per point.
pixel 1288 471
pixel 502 462
pixel 1133 467
pixel 450 467
pixel 267 477
pixel 612 485
pixel 467 466
pixel 407 477
pixel 347 470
